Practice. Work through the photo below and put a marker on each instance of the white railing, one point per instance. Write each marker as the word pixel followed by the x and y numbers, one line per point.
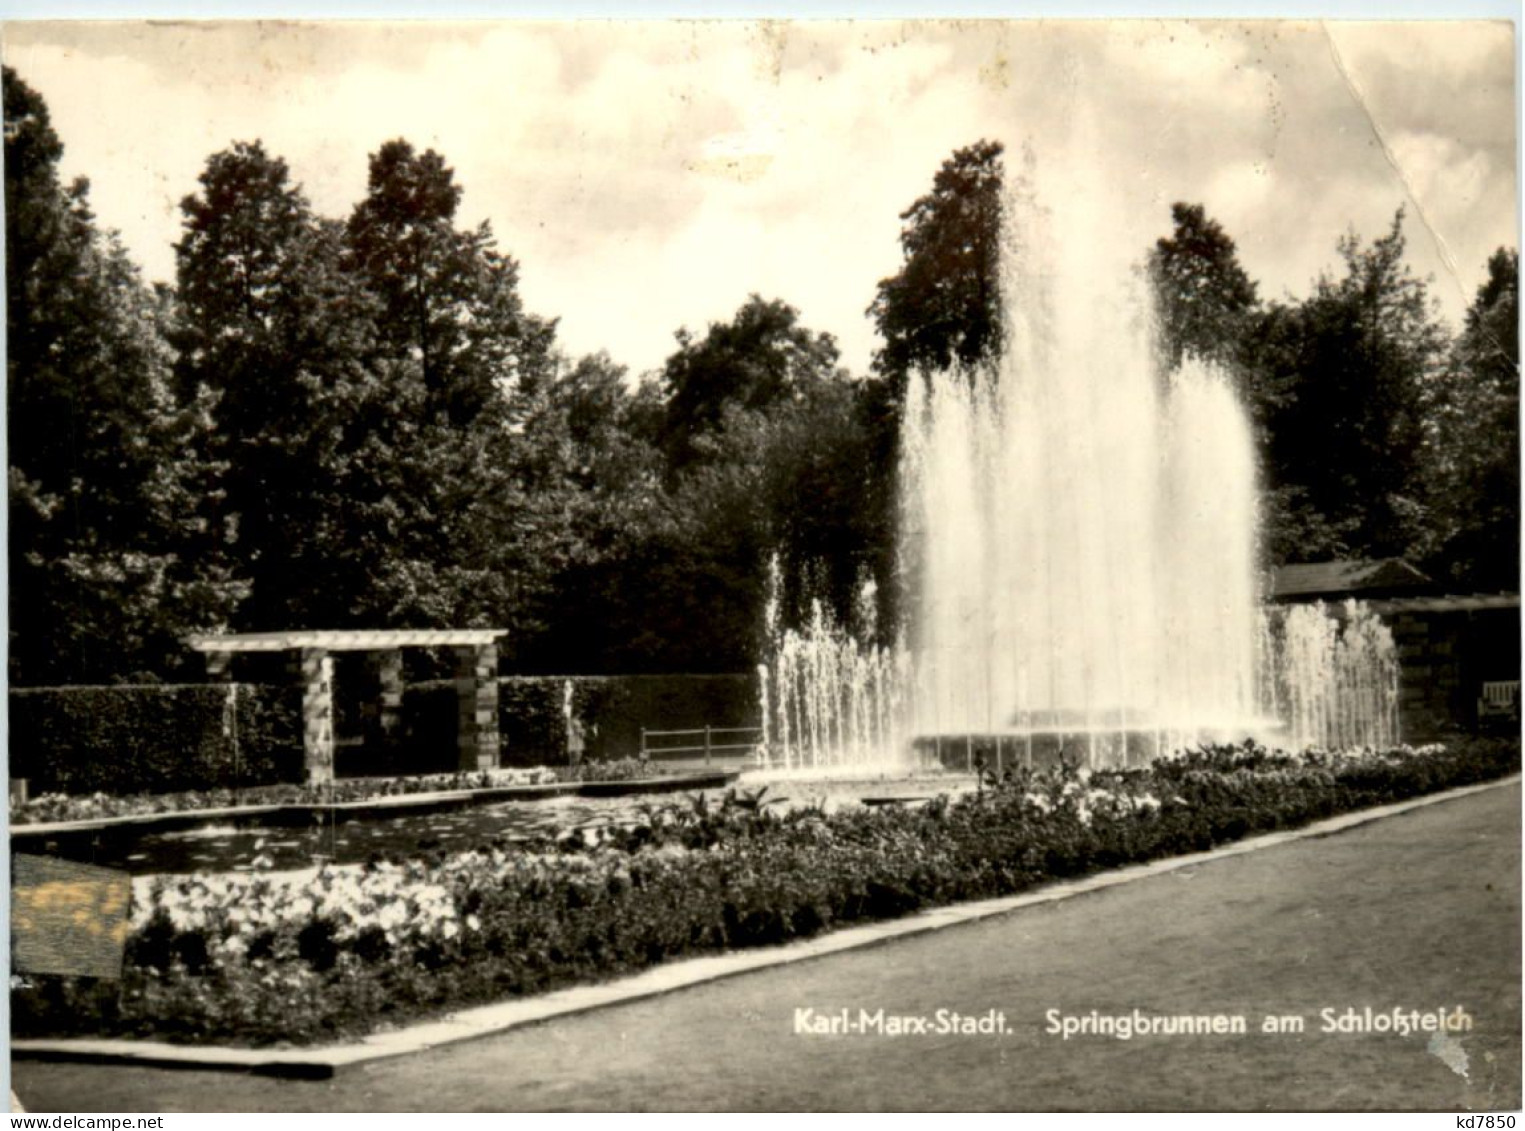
pixel 1499 697
pixel 710 747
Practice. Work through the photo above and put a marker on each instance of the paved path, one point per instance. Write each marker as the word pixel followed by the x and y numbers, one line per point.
pixel 1416 911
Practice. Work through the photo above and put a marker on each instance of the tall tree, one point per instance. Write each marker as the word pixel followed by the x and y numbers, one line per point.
pixel 494 524
pixel 760 358
pixel 1359 357
pixel 380 395
pixel 767 453
pixel 110 552
pixel 943 307
pixel 308 416
pixel 1203 296
pixel 1473 451
pixel 449 298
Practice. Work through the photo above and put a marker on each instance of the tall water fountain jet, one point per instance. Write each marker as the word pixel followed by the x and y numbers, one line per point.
pixel 1331 674
pixel 1080 533
pixel 832 700
pixel 1078 547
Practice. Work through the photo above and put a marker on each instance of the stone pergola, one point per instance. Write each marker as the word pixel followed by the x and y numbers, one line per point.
pixel 311 660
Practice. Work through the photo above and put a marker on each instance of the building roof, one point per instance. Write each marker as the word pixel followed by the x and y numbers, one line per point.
pixel 1389 576
pixel 346 640
pixel 1459 603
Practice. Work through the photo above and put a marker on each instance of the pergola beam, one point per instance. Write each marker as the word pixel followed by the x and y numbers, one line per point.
pixel 346 640
pixel 476 682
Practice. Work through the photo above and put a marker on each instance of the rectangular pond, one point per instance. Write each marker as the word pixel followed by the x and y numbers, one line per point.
pixel 221 845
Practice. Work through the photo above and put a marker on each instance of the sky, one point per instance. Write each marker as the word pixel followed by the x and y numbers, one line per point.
pixel 649 176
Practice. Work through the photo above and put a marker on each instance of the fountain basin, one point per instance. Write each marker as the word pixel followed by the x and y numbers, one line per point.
pixel 1104 743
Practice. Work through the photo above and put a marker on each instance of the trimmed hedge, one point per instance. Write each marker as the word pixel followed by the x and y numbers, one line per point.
pixel 612 709
pixel 154 738
pixel 171 738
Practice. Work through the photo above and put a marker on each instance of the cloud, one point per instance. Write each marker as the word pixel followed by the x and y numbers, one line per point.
pixel 651 175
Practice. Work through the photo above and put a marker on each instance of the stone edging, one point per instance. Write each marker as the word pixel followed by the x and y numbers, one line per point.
pixel 302 812
pixel 487 1020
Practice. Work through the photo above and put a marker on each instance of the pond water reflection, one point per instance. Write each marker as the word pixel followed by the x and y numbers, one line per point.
pixel 224 847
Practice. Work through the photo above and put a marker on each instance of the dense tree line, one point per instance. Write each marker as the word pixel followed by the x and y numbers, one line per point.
pixel 1380 435
pixel 333 422
pixel 112 479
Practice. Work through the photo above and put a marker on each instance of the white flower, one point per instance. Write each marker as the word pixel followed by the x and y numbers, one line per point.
pixel 183 918
pixel 298 908
pixel 392 916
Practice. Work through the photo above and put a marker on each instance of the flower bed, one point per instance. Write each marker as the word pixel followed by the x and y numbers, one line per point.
pixel 64 807
pixel 260 959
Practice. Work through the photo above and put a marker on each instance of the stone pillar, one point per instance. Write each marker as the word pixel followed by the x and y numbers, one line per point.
pixel 317 670
pixel 1416 676
pixel 476 689
pixel 386 668
pixel 219 666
